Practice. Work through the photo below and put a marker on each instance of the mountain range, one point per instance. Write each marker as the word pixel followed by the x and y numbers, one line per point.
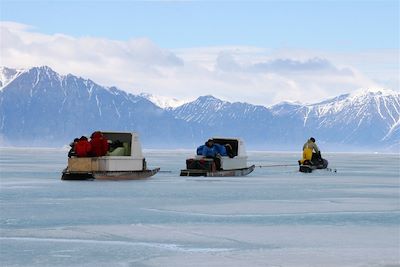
pixel 39 107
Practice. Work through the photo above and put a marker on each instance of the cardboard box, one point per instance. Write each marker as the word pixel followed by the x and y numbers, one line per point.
pixel 83 164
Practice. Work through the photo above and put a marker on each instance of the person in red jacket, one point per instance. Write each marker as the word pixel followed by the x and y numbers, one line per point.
pixel 82 147
pixel 99 144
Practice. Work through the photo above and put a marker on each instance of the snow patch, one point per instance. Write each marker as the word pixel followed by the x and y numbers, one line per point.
pixel 7 75
pixel 163 101
pixel 98 105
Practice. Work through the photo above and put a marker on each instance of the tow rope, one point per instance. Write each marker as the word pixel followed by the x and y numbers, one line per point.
pixel 276 165
pixel 290 165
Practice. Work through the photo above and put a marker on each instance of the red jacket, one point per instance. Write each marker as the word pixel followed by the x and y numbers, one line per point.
pixel 82 148
pixel 99 145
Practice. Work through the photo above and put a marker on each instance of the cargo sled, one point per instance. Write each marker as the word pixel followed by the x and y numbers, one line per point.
pixel 236 165
pixel 122 163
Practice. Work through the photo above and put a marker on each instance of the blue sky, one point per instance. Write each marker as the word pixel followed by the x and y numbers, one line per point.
pixel 238 50
pixel 332 25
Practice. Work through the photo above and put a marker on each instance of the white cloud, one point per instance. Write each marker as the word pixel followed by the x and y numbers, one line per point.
pixel 235 73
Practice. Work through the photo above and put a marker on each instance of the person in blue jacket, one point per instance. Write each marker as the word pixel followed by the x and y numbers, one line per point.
pixel 210 150
pixel 200 149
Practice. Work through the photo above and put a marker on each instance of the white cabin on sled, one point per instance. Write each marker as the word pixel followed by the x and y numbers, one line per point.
pixel 123 162
pixel 129 157
pixel 239 160
pixel 235 164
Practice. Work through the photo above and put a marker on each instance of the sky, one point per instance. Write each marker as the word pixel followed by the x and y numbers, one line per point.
pixel 261 52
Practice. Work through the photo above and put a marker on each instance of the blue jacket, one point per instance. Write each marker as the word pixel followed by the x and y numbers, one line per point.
pixel 221 149
pixel 209 151
pixel 199 150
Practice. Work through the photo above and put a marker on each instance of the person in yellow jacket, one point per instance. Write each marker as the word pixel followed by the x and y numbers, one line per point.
pixel 311 152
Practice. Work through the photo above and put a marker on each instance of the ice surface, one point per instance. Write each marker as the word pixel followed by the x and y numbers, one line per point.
pixel 276 216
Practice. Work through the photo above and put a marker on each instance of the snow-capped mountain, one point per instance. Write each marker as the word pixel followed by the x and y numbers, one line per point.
pixel 40 107
pixel 221 118
pixel 366 116
pixel 7 75
pixel 371 115
pixel 211 110
pixel 365 119
pixel 163 101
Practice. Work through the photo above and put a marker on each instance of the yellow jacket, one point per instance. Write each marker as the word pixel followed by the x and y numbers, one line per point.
pixel 308 148
pixel 311 145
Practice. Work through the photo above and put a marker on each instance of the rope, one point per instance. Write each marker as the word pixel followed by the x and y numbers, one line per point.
pixel 291 165
pixel 271 166
pixel 276 165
